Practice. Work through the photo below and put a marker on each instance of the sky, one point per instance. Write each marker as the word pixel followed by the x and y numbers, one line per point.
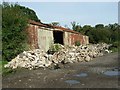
pixel 90 13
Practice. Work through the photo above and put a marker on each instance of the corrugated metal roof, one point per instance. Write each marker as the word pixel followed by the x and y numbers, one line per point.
pixel 51 26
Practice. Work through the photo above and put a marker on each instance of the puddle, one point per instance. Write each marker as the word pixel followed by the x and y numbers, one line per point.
pixel 112 73
pixel 71 82
pixel 81 75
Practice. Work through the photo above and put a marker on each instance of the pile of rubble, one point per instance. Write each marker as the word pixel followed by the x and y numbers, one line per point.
pixel 30 59
pixel 38 58
pixel 80 53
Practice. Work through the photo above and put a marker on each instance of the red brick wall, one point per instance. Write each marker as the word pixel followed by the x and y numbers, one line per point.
pixel 32 36
pixel 76 37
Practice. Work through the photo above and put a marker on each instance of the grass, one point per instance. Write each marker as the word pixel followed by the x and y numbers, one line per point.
pixel 8 71
pixel 115 49
pixel 5 71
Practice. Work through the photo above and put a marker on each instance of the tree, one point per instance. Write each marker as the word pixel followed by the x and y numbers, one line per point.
pixel 75 26
pixel 99 26
pixel 86 29
pixel 14 23
pixel 29 13
pixel 55 23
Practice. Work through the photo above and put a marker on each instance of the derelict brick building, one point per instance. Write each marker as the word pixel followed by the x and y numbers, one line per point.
pixel 43 35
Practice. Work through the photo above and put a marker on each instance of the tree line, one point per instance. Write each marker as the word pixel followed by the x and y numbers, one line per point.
pixel 100 33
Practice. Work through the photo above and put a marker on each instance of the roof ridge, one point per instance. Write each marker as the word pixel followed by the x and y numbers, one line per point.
pixel 51 26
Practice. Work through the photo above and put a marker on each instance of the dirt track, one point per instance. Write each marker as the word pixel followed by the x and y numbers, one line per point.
pixel 57 78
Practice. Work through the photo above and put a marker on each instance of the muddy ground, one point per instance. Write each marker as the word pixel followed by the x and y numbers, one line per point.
pixel 92 75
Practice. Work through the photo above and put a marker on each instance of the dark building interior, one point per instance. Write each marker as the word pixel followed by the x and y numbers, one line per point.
pixel 58 37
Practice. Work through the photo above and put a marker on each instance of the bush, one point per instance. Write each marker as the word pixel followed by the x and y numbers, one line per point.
pixel 115 46
pixel 77 43
pixel 14 37
pixel 54 48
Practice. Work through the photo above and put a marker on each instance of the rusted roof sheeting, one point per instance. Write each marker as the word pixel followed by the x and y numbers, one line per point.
pixel 53 27
pixel 39 24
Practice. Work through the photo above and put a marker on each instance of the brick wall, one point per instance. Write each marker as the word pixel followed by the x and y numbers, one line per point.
pixel 43 37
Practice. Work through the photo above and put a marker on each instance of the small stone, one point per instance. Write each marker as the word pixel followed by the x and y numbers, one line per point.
pixel 83 84
pixel 15 83
pixel 61 78
pixel 19 80
pixel 29 80
pixel 30 86
pixel 87 58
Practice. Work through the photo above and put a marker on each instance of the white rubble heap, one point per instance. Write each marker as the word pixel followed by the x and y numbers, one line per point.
pixel 38 58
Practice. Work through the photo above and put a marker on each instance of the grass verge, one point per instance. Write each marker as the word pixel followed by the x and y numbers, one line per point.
pixel 5 71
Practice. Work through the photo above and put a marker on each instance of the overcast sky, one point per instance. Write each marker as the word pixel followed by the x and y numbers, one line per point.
pixel 91 13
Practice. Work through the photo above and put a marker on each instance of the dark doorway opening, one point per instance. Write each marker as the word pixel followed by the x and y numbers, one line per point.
pixel 58 37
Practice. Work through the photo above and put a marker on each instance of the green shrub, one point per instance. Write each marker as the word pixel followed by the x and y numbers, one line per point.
pixel 54 48
pixel 77 43
pixel 14 22
pixel 115 46
pixel 14 37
